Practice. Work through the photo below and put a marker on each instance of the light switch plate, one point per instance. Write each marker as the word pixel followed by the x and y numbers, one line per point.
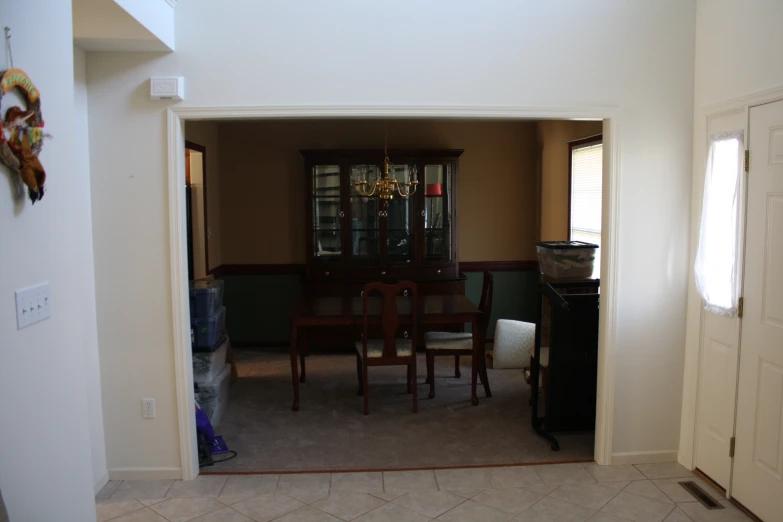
pixel 33 304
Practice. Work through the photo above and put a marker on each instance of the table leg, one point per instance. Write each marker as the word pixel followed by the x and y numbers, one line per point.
pixel 475 365
pixel 304 351
pixel 294 367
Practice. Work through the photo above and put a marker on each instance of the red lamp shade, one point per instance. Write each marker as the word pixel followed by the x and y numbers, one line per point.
pixel 433 190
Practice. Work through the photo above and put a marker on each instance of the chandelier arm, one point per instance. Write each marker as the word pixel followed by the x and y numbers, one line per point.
pixel 361 187
pixel 410 188
pixel 400 189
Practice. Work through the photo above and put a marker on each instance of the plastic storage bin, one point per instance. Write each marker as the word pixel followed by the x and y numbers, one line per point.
pixel 206 332
pixel 206 298
pixel 213 395
pixel 208 365
pixel 566 259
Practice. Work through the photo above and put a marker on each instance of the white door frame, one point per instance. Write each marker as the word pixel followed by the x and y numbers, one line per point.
pixel 695 312
pixel 178 247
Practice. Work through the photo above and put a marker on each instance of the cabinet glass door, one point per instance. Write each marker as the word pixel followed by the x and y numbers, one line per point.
pixel 365 222
pixel 399 225
pixel 327 219
pixel 437 213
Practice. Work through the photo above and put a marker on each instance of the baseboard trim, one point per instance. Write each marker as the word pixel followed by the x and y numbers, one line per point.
pixel 145 473
pixel 98 486
pixel 379 470
pixel 643 457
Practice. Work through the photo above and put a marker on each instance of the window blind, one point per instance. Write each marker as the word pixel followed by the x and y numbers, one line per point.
pixel 586 177
pixel 586 189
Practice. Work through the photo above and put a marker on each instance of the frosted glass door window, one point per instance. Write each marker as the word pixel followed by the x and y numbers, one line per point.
pixel 717 260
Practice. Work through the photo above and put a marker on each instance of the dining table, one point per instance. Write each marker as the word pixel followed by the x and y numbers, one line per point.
pixel 445 310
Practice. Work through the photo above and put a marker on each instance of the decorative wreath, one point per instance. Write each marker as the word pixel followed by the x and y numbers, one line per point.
pixel 22 132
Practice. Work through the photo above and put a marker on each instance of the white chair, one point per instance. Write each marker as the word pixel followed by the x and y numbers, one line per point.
pixel 513 341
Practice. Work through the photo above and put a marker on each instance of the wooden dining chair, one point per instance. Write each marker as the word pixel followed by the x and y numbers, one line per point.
pixel 389 350
pixel 461 343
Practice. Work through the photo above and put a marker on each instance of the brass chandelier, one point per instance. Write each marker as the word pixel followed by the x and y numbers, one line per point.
pixel 386 186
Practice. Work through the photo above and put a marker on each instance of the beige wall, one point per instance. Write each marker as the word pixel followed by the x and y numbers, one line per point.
pixel 553 139
pixel 255 205
pixel 262 182
pixel 206 133
pixel 92 367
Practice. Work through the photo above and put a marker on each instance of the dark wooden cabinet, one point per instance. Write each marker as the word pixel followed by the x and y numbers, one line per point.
pixel 352 238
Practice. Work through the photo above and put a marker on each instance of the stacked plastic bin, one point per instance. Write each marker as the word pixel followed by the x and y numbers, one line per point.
pixel 211 374
pixel 566 259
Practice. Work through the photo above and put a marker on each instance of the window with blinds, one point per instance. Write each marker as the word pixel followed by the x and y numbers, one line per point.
pixel 586 187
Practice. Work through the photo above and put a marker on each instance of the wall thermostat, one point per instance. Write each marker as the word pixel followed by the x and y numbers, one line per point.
pixel 169 88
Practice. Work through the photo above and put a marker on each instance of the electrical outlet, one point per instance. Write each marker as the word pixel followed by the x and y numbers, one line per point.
pixel 33 304
pixel 148 408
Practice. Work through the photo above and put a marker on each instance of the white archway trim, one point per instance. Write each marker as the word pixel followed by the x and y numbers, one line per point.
pixel 178 238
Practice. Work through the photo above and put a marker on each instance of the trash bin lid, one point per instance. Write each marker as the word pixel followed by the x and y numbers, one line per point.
pixel 566 244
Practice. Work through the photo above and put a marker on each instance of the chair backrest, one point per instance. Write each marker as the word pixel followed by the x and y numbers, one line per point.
pixel 485 303
pixel 390 316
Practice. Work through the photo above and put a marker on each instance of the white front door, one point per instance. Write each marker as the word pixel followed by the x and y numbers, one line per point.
pixel 719 358
pixel 758 466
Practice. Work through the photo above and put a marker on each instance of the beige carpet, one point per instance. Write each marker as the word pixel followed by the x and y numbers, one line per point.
pixel 331 433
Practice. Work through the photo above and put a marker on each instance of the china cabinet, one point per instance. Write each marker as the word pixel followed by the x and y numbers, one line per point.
pixel 353 238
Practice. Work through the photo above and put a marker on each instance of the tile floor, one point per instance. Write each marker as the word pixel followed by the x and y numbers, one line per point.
pixel 557 492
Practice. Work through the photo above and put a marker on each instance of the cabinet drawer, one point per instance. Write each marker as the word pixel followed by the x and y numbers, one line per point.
pixel 326 272
pixel 440 272
pixel 404 273
pixel 368 273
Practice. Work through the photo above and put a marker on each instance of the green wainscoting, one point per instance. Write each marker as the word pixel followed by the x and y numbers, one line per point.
pixel 514 295
pixel 257 305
